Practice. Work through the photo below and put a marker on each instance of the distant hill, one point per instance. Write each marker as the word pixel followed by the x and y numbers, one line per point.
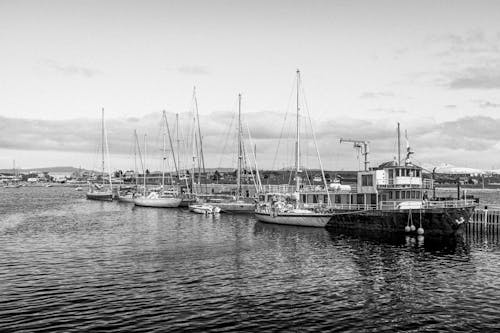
pixel 56 169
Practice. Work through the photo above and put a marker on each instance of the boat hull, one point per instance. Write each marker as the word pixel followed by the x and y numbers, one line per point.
pixel 305 220
pixel 204 209
pixel 100 196
pixel 187 201
pixel 158 203
pixel 128 199
pixel 435 221
pixel 237 207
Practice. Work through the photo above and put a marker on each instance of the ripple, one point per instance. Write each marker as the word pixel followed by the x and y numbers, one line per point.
pixel 68 264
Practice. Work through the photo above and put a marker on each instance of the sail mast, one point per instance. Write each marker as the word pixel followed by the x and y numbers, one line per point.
pixel 238 175
pixel 171 147
pixel 145 165
pixel 178 147
pixel 164 157
pixel 399 146
pixel 135 160
pixel 102 145
pixel 199 135
pixel 107 153
pixel 193 166
pixel 297 143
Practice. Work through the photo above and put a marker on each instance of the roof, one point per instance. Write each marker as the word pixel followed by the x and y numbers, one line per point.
pixel 394 164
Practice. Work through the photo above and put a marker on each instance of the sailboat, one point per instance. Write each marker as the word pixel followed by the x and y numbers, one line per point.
pixel 278 211
pixel 99 192
pixel 15 182
pixel 163 198
pixel 238 204
pixel 128 194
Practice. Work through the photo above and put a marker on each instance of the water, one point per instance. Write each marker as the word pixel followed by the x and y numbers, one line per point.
pixel 68 264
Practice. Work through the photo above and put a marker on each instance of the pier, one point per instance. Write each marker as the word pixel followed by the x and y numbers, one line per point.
pixel 485 221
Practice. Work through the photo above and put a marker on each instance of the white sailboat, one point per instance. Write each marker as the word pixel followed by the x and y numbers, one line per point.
pixel 99 192
pixel 278 211
pixel 162 199
pixel 238 204
pixel 129 194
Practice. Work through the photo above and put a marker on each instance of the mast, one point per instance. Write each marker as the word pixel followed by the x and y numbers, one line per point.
pixel 135 160
pixel 144 165
pixel 297 143
pixel 240 157
pixel 199 134
pixel 178 146
pixel 171 147
pixel 102 145
pixel 164 157
pixel 193 143
pixel 399 146
pixel 107 153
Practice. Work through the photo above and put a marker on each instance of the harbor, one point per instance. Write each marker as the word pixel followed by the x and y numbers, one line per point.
pixel 90 265
pixel 249 166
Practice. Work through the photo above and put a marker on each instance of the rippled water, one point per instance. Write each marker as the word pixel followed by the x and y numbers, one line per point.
pixel 68 264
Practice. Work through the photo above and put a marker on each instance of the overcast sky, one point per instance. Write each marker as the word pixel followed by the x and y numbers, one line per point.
pixel 434 66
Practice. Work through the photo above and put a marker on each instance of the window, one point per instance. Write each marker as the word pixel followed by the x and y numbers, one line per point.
pixel 360 199
pixel 413 194
pixel 390 195
pixel 391 173
pixel 403 196
pixel 417 173
pixel 397 195
pixel 337 198
pixel 366 180
pixel 408 194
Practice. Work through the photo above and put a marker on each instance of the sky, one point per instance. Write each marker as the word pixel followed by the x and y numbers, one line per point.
pixel 433 66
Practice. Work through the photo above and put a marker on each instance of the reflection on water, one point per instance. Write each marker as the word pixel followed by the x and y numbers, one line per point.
pixel 67 264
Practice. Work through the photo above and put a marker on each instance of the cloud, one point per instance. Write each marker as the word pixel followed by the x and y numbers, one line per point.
pixel 486 104
pixel 368 95
pixel 193 70
pixel 453 139
pixel 70 70
pixel 389 110
pixel 476 78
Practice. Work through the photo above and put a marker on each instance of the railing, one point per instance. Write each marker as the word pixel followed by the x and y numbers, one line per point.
pixel 425 184
pixel 352 207
pixel 398 205
pixel 304 189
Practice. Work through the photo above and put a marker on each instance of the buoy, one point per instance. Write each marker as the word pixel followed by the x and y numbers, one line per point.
pixel 420 231
pixel 420 239
pixel 413 228
pixel 407 228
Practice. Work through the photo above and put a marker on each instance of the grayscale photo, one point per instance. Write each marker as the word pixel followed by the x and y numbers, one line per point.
pixel 249 166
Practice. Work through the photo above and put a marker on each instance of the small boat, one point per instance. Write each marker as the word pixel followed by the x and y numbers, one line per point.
pixel 158 201
pixel 13 186
pixel 128 196
pixel 78 189
pixel 237 206
pixel 204 209
pixel 98 192
pixel 100 195
pixel 279 212
pixel 49 185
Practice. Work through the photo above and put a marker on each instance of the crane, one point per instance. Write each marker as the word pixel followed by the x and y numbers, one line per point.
pixel 363 146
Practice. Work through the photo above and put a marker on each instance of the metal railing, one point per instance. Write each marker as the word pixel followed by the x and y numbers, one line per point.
pixel 398 205
pixel 304 189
